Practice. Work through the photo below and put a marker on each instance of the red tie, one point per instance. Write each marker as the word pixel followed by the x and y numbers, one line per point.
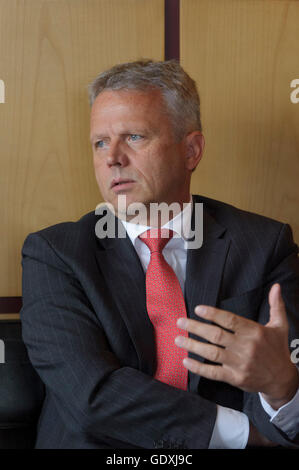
pixel 165 304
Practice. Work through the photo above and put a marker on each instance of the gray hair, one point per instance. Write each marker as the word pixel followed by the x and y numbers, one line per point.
pixel 177 88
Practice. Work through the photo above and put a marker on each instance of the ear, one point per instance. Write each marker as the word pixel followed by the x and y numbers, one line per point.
pixel 194 146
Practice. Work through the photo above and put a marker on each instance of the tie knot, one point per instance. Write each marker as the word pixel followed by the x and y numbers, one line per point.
pixel 156 238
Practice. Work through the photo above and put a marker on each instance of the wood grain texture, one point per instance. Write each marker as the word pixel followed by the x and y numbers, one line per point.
pixel 49 51
pixel 243 56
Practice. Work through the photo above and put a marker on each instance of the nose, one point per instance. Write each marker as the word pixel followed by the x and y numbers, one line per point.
pixel 117 154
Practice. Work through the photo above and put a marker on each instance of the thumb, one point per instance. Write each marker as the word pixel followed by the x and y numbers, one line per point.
pixel 278 315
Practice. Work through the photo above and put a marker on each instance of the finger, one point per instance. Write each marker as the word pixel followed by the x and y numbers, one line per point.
pixel 227 320
pixel 208 371
pixel 278 316
pixel 212 333
pixel 208 351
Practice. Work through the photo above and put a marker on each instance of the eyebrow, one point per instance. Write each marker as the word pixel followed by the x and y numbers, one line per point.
pixel 139 131
pixel 96 137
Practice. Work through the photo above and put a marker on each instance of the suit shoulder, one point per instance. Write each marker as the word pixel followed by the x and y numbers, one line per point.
pixel 251 231
pixel 70 233
pixel 239 219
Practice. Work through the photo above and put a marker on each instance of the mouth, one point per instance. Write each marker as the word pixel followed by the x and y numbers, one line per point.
pixel 119 184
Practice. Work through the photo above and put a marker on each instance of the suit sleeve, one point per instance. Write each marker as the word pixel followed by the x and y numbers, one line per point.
pixel 93 392
pixel 284 269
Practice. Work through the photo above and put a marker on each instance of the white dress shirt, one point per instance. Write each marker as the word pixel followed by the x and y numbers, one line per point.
pixel 231 428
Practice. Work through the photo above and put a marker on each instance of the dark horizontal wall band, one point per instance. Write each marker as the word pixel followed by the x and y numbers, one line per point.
pixel 172 29
pixel 10 304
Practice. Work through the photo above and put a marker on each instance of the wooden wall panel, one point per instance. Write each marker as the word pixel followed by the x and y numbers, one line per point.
pixel 49 51
pixel 244 55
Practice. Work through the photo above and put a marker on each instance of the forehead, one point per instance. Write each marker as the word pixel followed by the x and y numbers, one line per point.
pixel 119 105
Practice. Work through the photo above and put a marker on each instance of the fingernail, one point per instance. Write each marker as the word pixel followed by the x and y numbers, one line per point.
pixel 179 341
pixel 182 322
pixel 200 310
pixel 186 362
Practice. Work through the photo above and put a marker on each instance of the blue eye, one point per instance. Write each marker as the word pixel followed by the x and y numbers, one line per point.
pixel 99 144
pixel 135 137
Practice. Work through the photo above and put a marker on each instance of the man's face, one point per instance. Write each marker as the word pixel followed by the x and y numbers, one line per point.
pixel 134 150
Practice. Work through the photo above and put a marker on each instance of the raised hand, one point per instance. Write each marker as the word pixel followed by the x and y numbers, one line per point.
pixel 250 356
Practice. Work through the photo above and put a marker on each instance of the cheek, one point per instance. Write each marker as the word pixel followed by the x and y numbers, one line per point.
pixel 164 163
pixel 96 162
pixel 99 170
pixel 152 163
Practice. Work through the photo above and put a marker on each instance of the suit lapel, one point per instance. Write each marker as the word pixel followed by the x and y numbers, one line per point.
pixel 123 272
pixel 204 273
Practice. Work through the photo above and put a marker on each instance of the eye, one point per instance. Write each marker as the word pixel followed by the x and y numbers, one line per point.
pixel 99 144
pixel 135 137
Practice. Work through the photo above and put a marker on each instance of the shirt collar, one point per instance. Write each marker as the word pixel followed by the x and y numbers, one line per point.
pixel 180 224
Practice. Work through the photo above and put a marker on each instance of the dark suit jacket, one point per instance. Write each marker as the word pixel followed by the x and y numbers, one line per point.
pixel 88 335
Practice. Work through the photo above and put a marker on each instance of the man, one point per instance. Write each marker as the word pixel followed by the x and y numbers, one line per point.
pixel 110 320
